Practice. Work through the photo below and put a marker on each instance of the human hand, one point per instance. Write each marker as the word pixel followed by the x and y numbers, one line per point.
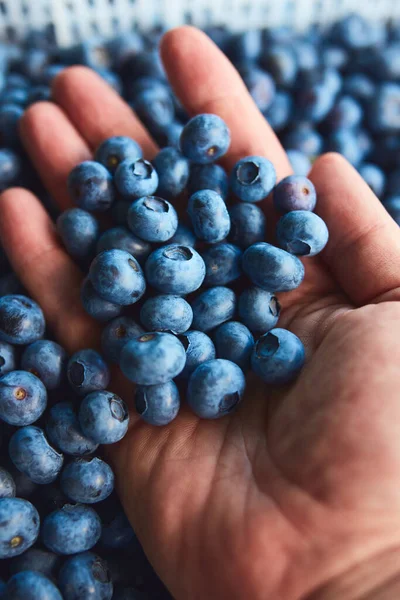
pixel 296 495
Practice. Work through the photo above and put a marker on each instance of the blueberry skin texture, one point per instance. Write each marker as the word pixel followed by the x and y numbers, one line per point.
pixel 166 313
pixel 346 113
pixel 121 238
pixel 306 139
pixel 31 585
pixel 155 107
pixel 117 277
pixel 258 309
pixel 7 484
pixel 95 306
pixel 48 361
pixel 38 560
pixel 205 138
pixel 300 162
pixel 295 192
pixel 153 218
pixel 183 236
pixel 213 307
pixel 153 358
pixel 247 225
pixel 85 577
pixel 87 480
pixel 209 216
pixel 135 179
pixel 208 177
pixel 7 358
pixel 278 356
pixel 215 388
pixel 157 404
pixel 19 526
pixel 374 177
pixel 87 372
pixel 91 186
pixel 271 268
pixel 280 61
pixel 113 151
pixel 199 348
pixel 302 233
pixel 173 171
pixel 71 529
pixel 104 417
pixel 279 113
pixel 79 231
pixel 223 264
pixel 23 398
pixel 253 178
pixel 116 334
pixel 32 454
pixel 64 431
pixel 234 342
pixel 21 320
pixel 175 269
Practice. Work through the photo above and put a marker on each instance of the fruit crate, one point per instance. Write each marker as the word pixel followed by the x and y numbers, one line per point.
pixel 73 20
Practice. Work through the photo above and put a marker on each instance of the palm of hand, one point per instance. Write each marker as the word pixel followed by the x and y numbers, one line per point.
pixel 282 495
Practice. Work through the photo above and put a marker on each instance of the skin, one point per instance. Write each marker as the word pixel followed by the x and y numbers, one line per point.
pixel 296 495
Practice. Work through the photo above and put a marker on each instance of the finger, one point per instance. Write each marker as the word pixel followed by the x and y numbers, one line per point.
pixel 97 111
pixel 54 146
pixel 363 251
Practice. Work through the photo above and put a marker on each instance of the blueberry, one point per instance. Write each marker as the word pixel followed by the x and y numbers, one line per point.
pixel 208 177
pixel 117 533
pixel 39 93
pixel 10 115
pixel 253 178
pixel 244 46
pixel 278 357
pixel 38 560
pixel 116 334
pixel 21 320
pixel 259 310
pixel 315 100
pixel 64 431
pixel 32 454
pixel 153 358
pixel 260 84
pixel 183 236
pixel 173 172
pixel 113 151
pixel 95 305
pixel 174 269
pixel 384 109
pixel 213 307
pixel 79 231
pixel 302 233
pixel 272 269
pixel 136 178
pixel 170 134
pixel 7 358
pixel 166 313
pixel 87 480
pixel 91 186
pixel 279 113
pixel 199 348
pixel 153 218
pixel 205 138
pixel 359 86
pixel 157 404
pixel 155 107
pixel 23 398
pixel 10 168
pixel 355 32
pixel 117 277
pixel 85 577
pixel 16 96
pixel 280 61
pixel 209 216
pixel 223 264
pixel 234 342
pixel 31 585
pixel 7 484
pixel 346 113
pixel 374 177
pixel 247 224
pixel 87 372
pixel 19 526
pixel 25 487
pixel 71 529
pixel 299 162
pixel 121 238
pixel 215 388
pixel 294 193
pixel 103 417
pixel 346 143
pixel 304 138
pixel 47 360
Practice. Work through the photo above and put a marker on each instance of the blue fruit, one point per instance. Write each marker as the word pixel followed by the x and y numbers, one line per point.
pixel 253 178
pixel 272 269
pixel 278 357
pixel 155 107
pixel 117 533
pixel 79 231
pixel 121 238
pixel 199 348
pixel 280 61
pixel 157 404
pixel 116 334
pixel 259 310
pixel 346 113
pixel 153 218
pixel 299 162
pixel 32 454
pixel 279 113
pixel 205 138
pixel 166 313
pixel 136 178
pixel 306 139
pixel 170 134
pixel 173 172
pixel 294 193
pixel 10 115
pixel 7 484
pixel 25 487
pixel 247 224
pixel 39 93
pixel 71 529
pixel 356 32
pixel 213 307
pixel 153 358
pixel 113 151
pixel 384 114
pixel 209 216
pixel 87 480
pixel 315 99
pixel 21 320
pixel 175 269
pixel 117 277
pixel 374 177
pixel 87 372
pixel 91 186
pixel 244 46
pixel 302 233
pixel 234 342
pixel 346 143
pixel 38 560
pixel 10 168
pixel 208 177
pixel 47 360
pixel 31 585
pixel 95 305
pixel 19 526
pixel 7 358
pixel 215 388
pixel 23 398
pixel 104 417
pixel 64 431
pixel 183 236
pixel 85 577
pixel 359 86
pixel 223 264
pixel 260 84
